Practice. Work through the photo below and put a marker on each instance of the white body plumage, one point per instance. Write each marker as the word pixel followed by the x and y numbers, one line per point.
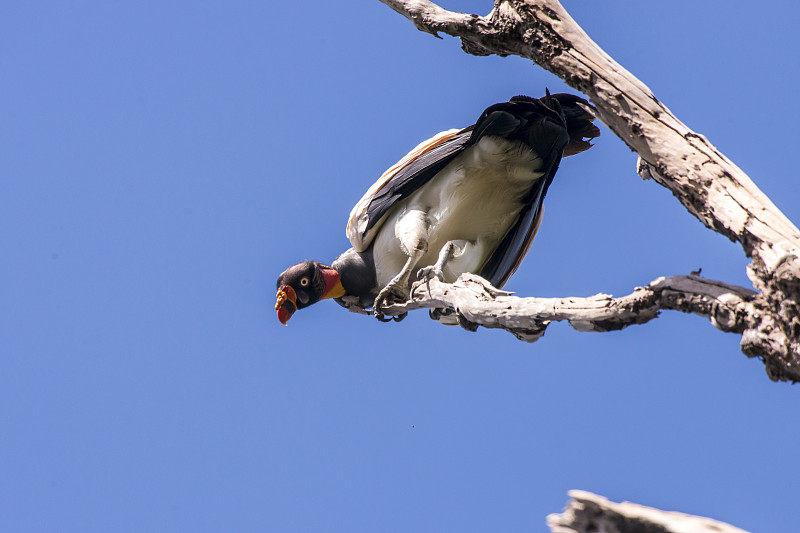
pixel 473 202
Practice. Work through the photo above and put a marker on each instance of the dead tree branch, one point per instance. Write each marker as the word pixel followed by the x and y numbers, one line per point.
pixel 589 513
pixel 474 302
pixel 709 185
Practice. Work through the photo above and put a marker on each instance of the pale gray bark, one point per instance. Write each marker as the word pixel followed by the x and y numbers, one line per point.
pixel 476 303
pixel 708 185
pixel 590 513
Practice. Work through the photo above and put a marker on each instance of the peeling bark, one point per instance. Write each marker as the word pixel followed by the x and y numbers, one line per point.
pixel 590 513
pixel 709 185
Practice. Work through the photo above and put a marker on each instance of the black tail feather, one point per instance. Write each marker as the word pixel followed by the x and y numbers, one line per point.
pixel 579 116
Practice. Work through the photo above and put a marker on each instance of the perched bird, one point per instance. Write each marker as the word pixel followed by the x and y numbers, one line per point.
pixel 466 200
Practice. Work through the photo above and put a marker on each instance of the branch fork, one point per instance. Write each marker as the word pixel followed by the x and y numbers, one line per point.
pixel 711 188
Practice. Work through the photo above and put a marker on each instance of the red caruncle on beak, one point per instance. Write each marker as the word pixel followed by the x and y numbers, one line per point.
pixel 286 304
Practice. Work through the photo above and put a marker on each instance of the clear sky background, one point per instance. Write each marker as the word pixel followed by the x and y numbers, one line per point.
pixel 163 162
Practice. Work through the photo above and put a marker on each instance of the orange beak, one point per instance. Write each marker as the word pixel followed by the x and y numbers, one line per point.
pixel 286 304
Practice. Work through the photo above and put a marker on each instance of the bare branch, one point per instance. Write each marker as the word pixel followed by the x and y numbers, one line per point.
pixel 588 513
pixel 709 185
pixel 475 302
pixel 430 18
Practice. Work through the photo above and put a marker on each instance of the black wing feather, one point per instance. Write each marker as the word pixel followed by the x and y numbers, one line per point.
pixel 555 127
pixel 415 175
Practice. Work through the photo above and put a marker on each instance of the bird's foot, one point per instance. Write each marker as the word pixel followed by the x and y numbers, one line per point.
pixel 398 318
pixel 430 272
pixel 448 317
pixel 436 271
pixel 393 293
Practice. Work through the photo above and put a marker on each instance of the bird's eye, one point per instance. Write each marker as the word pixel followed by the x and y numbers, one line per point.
pixel 304 282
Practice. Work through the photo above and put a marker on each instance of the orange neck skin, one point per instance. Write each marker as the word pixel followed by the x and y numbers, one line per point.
pixel 333 285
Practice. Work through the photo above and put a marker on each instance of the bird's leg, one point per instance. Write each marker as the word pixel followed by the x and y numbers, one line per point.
pixel 437 270
pixel 448 251
pixel 412 232
pixel 396 291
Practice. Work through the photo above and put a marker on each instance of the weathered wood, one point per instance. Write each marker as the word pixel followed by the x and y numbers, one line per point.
pixel 475 302
pixel 709 185
pixel 590 513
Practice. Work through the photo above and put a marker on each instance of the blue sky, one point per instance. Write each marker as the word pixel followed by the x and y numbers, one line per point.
pixel 163 162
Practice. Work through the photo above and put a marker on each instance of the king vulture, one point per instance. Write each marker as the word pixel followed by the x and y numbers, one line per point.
pixel 467 200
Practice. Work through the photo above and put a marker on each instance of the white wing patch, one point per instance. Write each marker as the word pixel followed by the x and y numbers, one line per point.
pixel 360 239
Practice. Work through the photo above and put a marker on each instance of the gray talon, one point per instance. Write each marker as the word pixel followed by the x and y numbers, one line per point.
pixel 430 272
pixel 390 295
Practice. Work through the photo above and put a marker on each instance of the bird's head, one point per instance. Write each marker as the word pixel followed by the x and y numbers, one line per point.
pixel 304 284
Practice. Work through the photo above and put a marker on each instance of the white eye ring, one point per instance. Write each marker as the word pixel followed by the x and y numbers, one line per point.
pixel 304 282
